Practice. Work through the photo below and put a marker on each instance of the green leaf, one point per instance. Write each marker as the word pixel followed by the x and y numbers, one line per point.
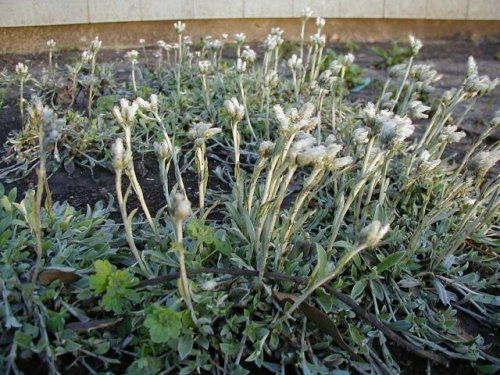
pixel 321 268
pixel 185 345
pixel 390 261
pixel 358 288
pixel 163 323
pixel 99 281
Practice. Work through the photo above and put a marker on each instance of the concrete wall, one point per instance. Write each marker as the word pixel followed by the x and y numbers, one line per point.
pixel 16 13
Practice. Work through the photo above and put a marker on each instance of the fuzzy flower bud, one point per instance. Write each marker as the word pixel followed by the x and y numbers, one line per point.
pixel 132 56
pixel 182 207
pixel 240 38
pixel 162 150
pixel 179 27
pixel 451 135
pixel 234 109
pixel 95 45
pixel 271 79
pixel 266 148
pixel 22 71
pixel 204 66
pixel 361 135
pixel 294 62
pixel 51 44
pixel 320 23
pixel 415 45
pixel 371 235
pixel 248 55
pixel 306 13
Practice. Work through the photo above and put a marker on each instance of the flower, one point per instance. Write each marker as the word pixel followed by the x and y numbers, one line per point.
pixel 241 66
pixel 360 135
pixel 202 131
pixel 22 70
pixel 132 56
pixel 415 45
pixel 417 110
pixel 320 23
pixel 451 135
pixel 306 13
pixel 248 55
pixel 204 66
pixel 95 45
pixel 182 207
pixel 51 44
pixel 234 108
pixel 294 62
pixel 179 27
pixel 371 235
pixel 271 79
pixel 395 129
pixel 162 150
pixel 240 38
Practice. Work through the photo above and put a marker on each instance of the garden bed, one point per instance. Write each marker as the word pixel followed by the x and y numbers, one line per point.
pixel 265 234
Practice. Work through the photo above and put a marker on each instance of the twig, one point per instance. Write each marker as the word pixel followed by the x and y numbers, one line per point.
pixel 274 276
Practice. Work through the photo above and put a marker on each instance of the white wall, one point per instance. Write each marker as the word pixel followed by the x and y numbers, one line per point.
pixel 59 12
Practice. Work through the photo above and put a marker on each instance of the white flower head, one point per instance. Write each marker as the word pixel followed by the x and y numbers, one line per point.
pixel 340 163
pixel 248 55
pixel 295 62
pixel 417 110
pixel 86 56
pixel 240 38
pixel 234 108
pixel 132 56
pixel 95 45
pixel 51 44
pixel 271 79
pixel 395 129
pixel 361 135
pixel 142 41
pixel 182 207
pixel 266 148
pixel 450 134
pixel 21 70
pixel 349 59
pixel 204 66
pixel 202 131
pixel 371 235
pixel 179 27
pixel 320 23
pixel 311 155
pixel 306 13
pixel 162 150
pixel 241 66
pixel 415 45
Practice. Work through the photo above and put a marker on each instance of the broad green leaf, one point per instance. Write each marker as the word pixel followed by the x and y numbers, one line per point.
pixel 185 345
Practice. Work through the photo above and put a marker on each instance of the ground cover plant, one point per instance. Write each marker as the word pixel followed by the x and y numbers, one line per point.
pixel 300 232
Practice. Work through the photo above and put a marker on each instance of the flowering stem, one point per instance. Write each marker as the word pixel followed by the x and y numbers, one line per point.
pixel 91 87
pixel 341 264
pixel 184 289
pixel 127 221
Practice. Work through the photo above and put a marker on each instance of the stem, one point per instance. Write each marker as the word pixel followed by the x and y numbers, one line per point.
pixel 184 289
pixel 122 203
pixel 21 102
pixel 91 88
pixel 42 176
